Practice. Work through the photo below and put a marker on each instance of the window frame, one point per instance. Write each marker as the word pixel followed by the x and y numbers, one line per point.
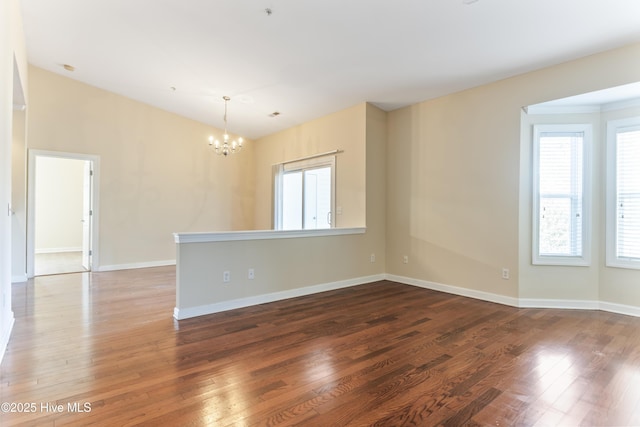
pixel 563 260
pixel 611 257
pixel 300 166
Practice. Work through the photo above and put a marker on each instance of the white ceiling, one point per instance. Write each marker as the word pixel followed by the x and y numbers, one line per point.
pixel 311 58
pixel 626 95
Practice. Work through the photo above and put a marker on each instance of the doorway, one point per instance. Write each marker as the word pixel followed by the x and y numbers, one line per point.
pixel 61 213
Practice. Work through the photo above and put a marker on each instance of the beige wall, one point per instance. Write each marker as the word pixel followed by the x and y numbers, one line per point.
pixel 344 130
pixel 376 182
pixel 13 73
pixel 19 149
pixel 19 197
pixel 6 80
pixel 157 176
pixel 454 189
pixel 58 204
pixel 283 266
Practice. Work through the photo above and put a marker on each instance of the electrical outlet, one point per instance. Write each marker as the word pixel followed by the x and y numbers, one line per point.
pixel 226 276
pixel 373 258
pixel 405 259
pixel 505 273
pixel 252 274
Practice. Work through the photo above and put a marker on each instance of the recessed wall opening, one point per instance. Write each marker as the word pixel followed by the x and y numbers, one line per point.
pixel 602 218
pixel 62 213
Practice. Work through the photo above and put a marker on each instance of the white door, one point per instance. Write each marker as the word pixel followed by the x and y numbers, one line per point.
pixel 306 199
pixel 317 198
pixel 87 213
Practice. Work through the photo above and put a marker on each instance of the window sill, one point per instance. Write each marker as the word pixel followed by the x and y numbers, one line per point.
pixel 628 265
pixel 230 236
pixel 561 261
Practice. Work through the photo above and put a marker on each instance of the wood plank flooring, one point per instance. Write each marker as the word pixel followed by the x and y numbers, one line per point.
pixel 58 263
pixel 103 349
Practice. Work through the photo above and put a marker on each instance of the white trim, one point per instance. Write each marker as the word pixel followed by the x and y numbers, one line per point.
pixel 557 303
pixel 563 109
pixel 188 312
pixel 585 259
pixel 612 307
pixel 611 197
pixel 4 341
pixel 57 250
pixel 230 236
pixel 621 105
pixel 202 310
pixel 19 278
pixel 321 160
pixel 135 265
pixel 583 109
pixel 455 290
pixel 312 156
pixel 312 162
pixel 543 303
pixel 276 207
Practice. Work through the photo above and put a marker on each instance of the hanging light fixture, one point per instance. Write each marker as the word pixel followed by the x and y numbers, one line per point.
pixel 228 145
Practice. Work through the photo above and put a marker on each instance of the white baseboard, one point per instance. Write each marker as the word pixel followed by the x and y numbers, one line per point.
pixel 628 310
pixel 19 278
pixel 611 307
pixel 471 293
pixel 57 250
pixel 188 312
pixel 135 265
pixel 559 303
pixel 6 334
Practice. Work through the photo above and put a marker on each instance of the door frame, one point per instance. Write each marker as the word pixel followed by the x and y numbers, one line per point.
pixel 87 213
pixel 31 203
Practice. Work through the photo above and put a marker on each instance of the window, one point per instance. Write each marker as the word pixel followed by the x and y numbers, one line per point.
pixel 561 185
pixel 623 193
pixel 304 194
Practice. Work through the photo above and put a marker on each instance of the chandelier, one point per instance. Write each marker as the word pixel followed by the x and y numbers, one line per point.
pixel 228 146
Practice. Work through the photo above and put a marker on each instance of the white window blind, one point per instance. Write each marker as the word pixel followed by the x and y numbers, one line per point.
pixel 628 194
pixel 559 194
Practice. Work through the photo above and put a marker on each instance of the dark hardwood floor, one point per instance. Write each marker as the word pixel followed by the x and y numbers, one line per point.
pixel 102 348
